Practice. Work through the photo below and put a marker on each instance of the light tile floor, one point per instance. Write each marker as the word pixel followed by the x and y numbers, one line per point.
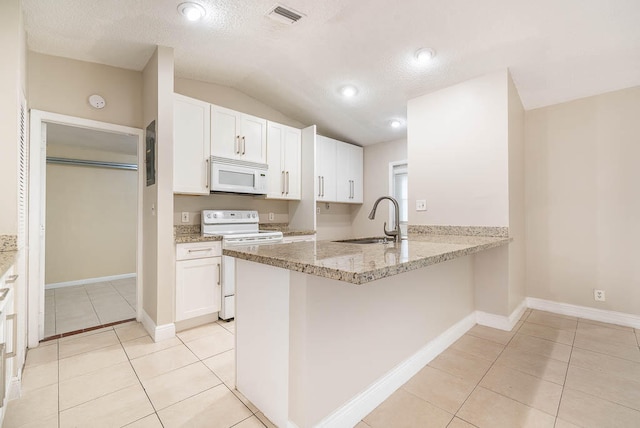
pixel 78 307
pixel 550 371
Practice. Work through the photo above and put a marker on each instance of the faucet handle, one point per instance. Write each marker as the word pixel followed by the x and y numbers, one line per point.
pixel 389 233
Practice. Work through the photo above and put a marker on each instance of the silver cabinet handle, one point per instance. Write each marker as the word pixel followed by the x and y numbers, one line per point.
pixel 323 186
pixel 219 274
pixel 282 185
pixel 199 250
pixel 237 145
pixel 11 279
pixel 14 336
pixel 287 182
pixel 206 173
pixel 319 186
pixel 244 145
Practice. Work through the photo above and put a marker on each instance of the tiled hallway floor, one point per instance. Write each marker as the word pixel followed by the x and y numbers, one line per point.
pixel 82 306
pixel 551 371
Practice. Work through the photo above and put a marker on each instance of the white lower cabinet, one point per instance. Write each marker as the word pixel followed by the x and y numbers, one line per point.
pixel 198 279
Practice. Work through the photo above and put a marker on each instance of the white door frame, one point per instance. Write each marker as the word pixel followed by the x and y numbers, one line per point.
pixel 37 172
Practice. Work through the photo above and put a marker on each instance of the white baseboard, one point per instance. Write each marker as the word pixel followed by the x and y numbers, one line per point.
pixel 158 332
pixel 612 317
pixel 89 281
pixel 15 388
pixel 362 404
pixel 501 322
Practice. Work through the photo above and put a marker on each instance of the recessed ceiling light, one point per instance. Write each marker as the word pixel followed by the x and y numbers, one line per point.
pixel 395 123
pixel 349 91
pixel 425 55
pixel 191 11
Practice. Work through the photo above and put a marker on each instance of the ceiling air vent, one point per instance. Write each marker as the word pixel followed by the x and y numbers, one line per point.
pixel 284 14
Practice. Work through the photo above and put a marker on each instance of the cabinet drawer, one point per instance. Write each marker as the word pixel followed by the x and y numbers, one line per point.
pixel 198 250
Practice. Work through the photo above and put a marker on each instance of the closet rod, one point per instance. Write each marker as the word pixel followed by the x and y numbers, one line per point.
pixel 99 164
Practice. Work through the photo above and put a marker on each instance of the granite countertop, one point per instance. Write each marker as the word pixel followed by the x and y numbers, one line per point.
pixel 185 238
pixel 7 259
pixel 358 263
pixel 286 230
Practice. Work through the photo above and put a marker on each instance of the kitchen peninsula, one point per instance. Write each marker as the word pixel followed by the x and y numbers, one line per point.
pixel 325 330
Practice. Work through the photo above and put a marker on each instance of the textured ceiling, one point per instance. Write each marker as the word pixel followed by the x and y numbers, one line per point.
pixel 557 50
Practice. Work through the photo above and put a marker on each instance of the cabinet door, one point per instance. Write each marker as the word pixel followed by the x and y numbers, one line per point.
pixel 276 172
pixel 357 177
pixel 191 146
pixel 343 173
pixel 292 162
pixel 198 288
pixel 225 132
pixel 349 185
pixel 253 144
pixel 325 184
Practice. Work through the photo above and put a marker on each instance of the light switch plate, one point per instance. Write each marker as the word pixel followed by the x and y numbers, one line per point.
pixel 421 205
pixel 185 217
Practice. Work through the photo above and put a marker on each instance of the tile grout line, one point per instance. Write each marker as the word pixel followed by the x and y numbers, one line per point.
pixel 564 382
pixel 155 411
pixel 489 369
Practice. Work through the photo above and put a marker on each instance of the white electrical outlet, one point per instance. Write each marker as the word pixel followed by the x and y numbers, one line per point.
pixel 317 210
pixel 598 295
pixel 421 205
pixel 272 216
pixel 185 217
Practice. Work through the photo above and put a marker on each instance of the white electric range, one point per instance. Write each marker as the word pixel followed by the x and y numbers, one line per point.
pixel 237 227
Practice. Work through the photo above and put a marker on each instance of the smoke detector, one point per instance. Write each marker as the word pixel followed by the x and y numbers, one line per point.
pixel 285 14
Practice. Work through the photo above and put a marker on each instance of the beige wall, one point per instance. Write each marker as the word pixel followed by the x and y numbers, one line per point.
pixel 195 204
pixel 457 146
pixel 334 222
pixel 376 184
pixel 150 197
pixel 158 241
pixel 62 85
pixel 583 202
pixel 517 270
pixel 231 98
pixel 11 84
pixel 90 217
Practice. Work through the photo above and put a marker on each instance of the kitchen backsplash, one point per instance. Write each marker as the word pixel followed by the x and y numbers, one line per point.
pixel 460 230
pixel 195 204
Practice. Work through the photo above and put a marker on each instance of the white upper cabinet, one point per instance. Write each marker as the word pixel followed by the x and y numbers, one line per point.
pixel 191 145
pixel 325 182
pixel 349 175
pixel 236 135
pixel 284 145
pixel 339 171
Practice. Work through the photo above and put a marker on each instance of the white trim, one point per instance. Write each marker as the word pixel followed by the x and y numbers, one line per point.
pixel 392 165
pixel 15 389
pixel 362 404
pixel 158 332
pixel 501 322
pixel 89 280
pixel 611 317
pixel 37 118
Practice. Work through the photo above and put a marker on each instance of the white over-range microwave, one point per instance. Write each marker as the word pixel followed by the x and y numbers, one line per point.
pixel 237 176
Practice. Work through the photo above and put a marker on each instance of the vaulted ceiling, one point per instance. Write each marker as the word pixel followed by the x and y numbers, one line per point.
pixel 556 50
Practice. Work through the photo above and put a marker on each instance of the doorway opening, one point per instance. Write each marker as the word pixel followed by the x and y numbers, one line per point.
pixel 85 207
pixel 399 189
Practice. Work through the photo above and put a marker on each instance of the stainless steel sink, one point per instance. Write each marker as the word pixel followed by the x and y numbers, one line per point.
pixel 382 240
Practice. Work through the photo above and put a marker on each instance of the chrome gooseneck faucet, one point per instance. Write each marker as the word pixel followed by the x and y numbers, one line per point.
pixel 395 233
